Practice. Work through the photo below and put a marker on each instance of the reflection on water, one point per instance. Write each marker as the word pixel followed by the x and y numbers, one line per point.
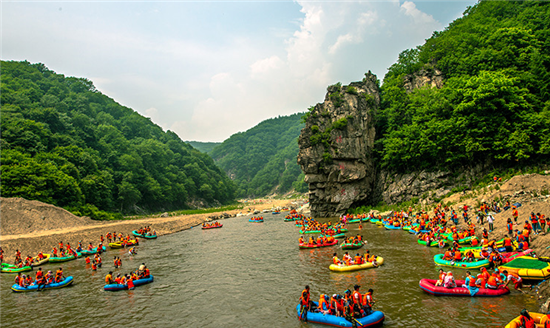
pixel 250 274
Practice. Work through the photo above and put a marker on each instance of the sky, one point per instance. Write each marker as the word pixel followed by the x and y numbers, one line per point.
pixel 208 69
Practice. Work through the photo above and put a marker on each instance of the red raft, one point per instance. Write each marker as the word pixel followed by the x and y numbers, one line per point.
pixel 212 227
pixel 304 246
pixel 428 285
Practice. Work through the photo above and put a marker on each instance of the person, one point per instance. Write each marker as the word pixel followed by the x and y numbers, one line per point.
pixel 356 296
pixel 470 283
pixel 490 220
pixel 335 259
pixel 129 282
pixel 304 303
pixel 109 278
pixel 368 302
pixel 324 305
pixel 526 320
pixel 59 275
pixel 518 281
pixel 449 280
pixel 441 279
pixel 545 319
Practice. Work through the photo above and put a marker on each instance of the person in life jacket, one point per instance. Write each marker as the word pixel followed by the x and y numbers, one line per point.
pixel 545 320
pixel 517 280
pixel 526 320
pixel 441 278
pixel 301 240
pixel 469 256
pixel 109 278
pixel 358 259
pixel 368 302
pixel 448 256
pixel 130 282
pixel 493 281
pixel 449 281
pixel 335 259
pixel 94 266
pixel 305 303
pixel 324 304
pixel 59 275
pixel 356 296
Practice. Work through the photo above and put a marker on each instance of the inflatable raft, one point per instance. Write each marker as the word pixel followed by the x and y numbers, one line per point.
pixel 10 268
pixel 37 262
pixel 433 243
pixel 355 267
pixel 93 251
pixel 66 282
pixel 212 227
pixel 352 245
pixel 516 323
pixel 137 234
pixel 64 258
pixel 138 282
pixel 528 268
pixel 375 319
pixel 306 246
pixel 121 245
pixel 257 221
pixel 428 285
pixel 438 259
pixel 391 227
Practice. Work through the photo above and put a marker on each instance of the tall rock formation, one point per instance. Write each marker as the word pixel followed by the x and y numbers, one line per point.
pixel 336 146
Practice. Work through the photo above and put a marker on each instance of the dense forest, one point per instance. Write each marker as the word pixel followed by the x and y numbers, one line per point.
pixel 66 144
pixel 205 147
pixel 494 105
pixel 262 160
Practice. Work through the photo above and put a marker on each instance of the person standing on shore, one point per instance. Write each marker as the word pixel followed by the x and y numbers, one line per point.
pixel 490 220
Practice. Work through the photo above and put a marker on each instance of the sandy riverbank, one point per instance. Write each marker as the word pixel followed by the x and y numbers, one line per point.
pixel 33 226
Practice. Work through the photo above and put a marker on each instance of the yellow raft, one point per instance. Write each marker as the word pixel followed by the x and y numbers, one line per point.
pixel 119 244
pixel 355 267
pixel 516 323
pixel 37 261
pixel 528 268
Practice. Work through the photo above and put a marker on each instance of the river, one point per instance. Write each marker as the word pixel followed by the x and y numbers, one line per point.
pixel 246 275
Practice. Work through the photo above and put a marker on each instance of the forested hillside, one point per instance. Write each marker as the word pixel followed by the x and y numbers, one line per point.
pixel 262 160
pixel 66 144
pixel 494 103
pixel 205 147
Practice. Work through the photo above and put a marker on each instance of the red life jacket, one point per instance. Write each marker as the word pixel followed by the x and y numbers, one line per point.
pixel 527 323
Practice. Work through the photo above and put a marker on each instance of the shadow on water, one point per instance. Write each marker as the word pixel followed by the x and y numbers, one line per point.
pixel 250 274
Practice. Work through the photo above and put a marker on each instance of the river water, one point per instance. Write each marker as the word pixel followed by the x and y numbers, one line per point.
pixel 250 274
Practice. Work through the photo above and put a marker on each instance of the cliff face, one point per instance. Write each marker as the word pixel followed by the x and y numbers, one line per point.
pixel 336 146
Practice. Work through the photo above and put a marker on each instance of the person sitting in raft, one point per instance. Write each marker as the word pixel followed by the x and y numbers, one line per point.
pixel 448 256
pixel 449 281
pixel 324 304
pixel 441 279
pixel 469 256
pixel 335 259
pixel 484 254
pixel 526 320
pixel 311 241
pixel 457 256
pixel 372 259
pixel 109 278
pixel 59 275
pixel 301 240
pixel 358 259
pixel 23 281
pixel 494 280
pixel 368 302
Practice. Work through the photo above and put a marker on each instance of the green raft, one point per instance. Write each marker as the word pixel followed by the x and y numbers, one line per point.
pixel 352 245
pixel 438 259
pixel 64 258
pixel 10 268
pixel 433 243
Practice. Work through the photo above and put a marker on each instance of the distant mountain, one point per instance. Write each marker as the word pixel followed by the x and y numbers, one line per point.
pixel 262 160
pixel 205 147
pixel 65 143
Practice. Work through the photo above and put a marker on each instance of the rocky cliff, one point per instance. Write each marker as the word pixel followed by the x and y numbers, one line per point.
pixel 336 146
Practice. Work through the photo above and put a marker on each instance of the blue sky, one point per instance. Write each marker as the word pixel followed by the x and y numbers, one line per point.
pixel 206 70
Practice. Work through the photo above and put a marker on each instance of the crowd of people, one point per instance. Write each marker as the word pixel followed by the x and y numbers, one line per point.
pixel 350 305
pixel 128 279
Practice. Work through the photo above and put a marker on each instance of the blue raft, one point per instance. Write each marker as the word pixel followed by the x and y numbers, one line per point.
pixel 66 282
pixel 374 319
pixel 138 282
pixel 93 251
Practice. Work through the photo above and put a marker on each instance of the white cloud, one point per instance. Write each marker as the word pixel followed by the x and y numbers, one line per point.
pixel 207 77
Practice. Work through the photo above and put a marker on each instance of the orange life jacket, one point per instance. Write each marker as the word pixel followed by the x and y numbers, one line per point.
pixel 357 299
pixel 304 298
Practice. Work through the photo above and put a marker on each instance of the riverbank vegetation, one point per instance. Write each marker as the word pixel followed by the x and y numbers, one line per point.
pixel 262 160
pixel 66 144
pixel 494 103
